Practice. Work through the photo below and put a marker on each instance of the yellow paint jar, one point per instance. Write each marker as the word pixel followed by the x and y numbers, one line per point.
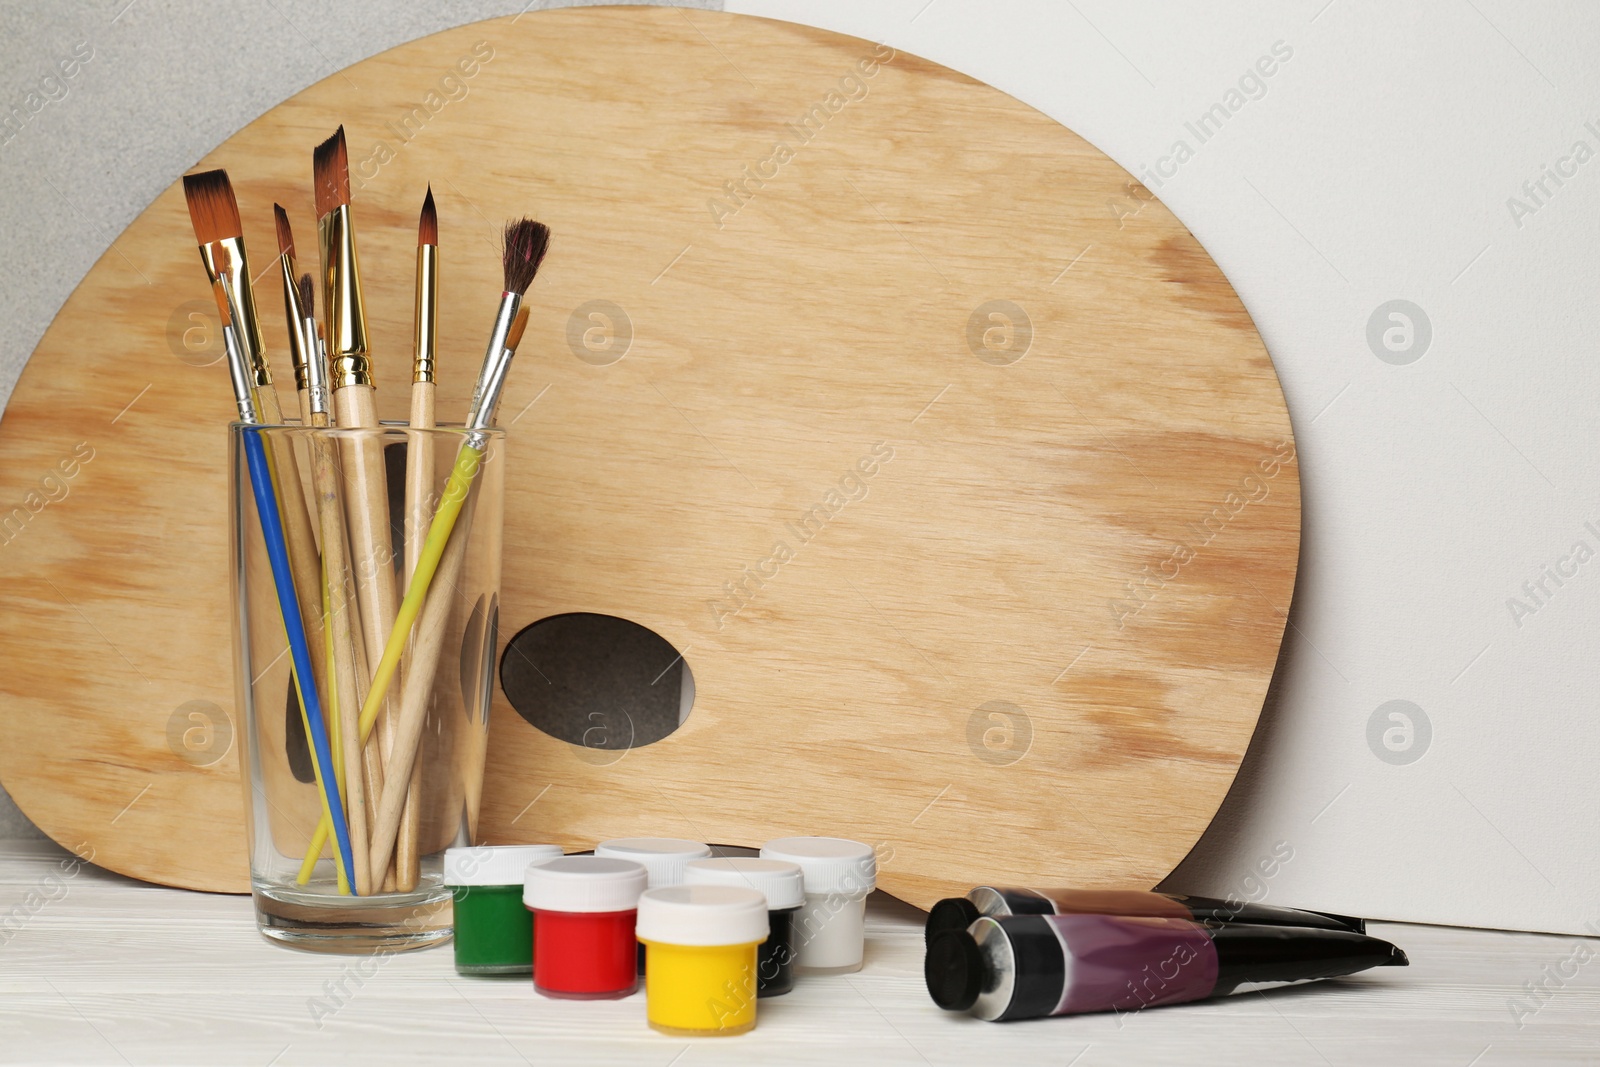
pixel 701 944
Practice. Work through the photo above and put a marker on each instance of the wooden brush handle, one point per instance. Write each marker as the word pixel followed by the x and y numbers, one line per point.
pixel 419 482
pixel 361 762
pixel 428 642
pixel 371 549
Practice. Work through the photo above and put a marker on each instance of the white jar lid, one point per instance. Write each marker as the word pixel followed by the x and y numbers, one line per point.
pixel 663 857
pixel 703 915
pixel 831 864
pixel 782 883
pixel 493 864
pixel 584 883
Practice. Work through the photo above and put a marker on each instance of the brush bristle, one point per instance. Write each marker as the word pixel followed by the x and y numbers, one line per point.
pixel 212 207
pixel 330 170
pixel 428 224
pixel 285 234
pixel 308 306
pixel 526 243
pixel 222 302
pixel 518 324
pixel 221 261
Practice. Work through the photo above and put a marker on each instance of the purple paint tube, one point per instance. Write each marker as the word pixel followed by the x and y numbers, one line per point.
pixel 1030 966
pixel 958 913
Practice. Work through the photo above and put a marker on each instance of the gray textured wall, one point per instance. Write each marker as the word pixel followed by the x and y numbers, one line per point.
pixel 167 81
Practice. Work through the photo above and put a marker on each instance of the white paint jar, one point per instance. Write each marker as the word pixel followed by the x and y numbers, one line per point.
pixel 830 928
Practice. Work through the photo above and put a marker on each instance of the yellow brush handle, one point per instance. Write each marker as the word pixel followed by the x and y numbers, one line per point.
pixel 444 521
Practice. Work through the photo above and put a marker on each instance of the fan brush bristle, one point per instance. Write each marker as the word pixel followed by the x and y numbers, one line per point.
pixel 212 207
pixel 527 242
pixel 330 169
pixel 285 234
pixel 428 224
pixel 307 294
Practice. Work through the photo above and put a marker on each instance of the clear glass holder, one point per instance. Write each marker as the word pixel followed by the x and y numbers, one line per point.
pixel 329 525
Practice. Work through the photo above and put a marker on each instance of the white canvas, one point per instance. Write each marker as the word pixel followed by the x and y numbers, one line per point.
pixel 1430 750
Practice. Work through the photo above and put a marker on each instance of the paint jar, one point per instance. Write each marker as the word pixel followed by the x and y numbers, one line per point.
pixel 783 885
pixel 702 942
pixel 583 926
pixel 494 932
pixel 663 857
pixel 830 931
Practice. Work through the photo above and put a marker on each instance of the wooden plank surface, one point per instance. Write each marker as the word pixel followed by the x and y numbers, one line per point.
pixel 110 971
pixel 1030 644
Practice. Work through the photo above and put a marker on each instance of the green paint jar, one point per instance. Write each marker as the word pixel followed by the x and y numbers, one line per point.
pixel 493 931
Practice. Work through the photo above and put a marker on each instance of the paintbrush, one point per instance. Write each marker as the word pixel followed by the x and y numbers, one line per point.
pixel 214 213
pixel 361 763
pixel 310 378
pixel 526 243
pixel 272 533
pixel 450 532
pixel 419 479
pixel 317 371
pixel 355 405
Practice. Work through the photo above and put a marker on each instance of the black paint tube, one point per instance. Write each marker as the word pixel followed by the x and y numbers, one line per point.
pixel 958 913
pixel 1030 966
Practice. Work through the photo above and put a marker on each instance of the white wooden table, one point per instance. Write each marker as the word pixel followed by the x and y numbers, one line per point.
pixel 98 969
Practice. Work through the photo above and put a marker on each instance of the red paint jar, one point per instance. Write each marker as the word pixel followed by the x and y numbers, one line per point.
pixel 584 909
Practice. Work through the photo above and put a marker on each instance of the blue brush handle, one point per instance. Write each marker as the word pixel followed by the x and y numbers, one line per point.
pixel 299 650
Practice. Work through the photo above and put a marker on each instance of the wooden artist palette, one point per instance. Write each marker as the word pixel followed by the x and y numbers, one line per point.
pixel 942 452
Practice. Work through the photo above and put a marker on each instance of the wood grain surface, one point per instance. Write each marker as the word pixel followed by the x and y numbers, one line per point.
pixel 198 985
pixel 945 455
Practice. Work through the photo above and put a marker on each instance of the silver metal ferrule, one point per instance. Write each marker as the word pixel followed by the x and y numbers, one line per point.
pixel 492 357
pixel 316 368
pixel 241 370
pixel 482 415
pixel 239 376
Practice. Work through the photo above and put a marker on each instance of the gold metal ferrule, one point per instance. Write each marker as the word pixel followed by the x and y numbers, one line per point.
pixel 346 314
pixel 242 305
pixel 295 315
pixel 427 326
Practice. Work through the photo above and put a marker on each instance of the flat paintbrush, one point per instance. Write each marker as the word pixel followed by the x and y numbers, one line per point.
pixel 359 762
pixel 214 213
pixel 272 533
pixel 355 406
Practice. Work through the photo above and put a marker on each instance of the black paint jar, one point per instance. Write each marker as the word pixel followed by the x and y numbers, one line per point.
pixel 784 887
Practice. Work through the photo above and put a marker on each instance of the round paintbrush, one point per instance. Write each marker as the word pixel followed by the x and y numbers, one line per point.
pixel 419 482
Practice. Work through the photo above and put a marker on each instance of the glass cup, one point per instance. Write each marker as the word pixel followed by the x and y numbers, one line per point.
pixel 329 526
